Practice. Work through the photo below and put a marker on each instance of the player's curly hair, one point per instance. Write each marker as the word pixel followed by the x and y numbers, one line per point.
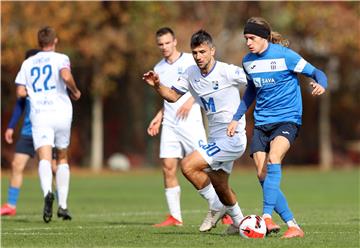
pixel 274 37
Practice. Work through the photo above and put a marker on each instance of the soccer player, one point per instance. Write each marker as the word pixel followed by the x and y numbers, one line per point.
pixel 24 149
pixel 182 125
pixel 45 79
pixel 271 69
pixel 215 86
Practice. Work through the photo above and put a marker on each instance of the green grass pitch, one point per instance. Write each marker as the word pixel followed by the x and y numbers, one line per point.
pixel 118 210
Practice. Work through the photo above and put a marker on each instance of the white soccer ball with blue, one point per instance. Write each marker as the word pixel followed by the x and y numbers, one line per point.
pixel 252 227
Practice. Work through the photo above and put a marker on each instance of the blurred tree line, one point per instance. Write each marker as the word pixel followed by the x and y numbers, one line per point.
pixel 111 44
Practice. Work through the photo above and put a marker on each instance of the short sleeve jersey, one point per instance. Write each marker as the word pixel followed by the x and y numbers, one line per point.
pixel 169 74
pixel 274 74
pixel 40 74
pixel 217 92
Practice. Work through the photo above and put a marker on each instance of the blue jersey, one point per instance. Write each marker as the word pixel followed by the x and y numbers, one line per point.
pixel 26 128
pixel 273 73
pixel 21 106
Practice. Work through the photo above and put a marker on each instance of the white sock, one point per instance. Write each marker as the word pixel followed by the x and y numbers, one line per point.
pixel 173 201
pixel 235 213
pixel 62 184
pixel 266 216
pixel 292 223
pixel 45 174
pixel 210 195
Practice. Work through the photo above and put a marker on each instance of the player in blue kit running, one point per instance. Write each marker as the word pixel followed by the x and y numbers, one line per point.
pixel 271 70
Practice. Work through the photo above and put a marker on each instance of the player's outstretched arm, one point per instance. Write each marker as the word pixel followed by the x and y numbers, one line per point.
pixel 70 83
pixel 152 79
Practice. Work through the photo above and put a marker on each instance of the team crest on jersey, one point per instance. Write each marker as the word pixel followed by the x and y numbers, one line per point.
pixel 215 85
pixel 273 65
pixel 181 70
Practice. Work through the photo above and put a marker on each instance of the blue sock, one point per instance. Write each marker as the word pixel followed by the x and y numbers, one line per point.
pixel 271 187
pixel 13 195
pixel 281 206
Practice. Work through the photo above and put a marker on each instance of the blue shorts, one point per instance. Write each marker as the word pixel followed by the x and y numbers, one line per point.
pixel 25 145
pixel 264 134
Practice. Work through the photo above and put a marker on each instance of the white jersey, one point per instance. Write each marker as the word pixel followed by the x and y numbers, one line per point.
pixel 169 74
pixel 40 74
pixel 217 92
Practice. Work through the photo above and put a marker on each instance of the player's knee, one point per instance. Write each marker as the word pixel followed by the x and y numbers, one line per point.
pixel 17 167
pixel 169 170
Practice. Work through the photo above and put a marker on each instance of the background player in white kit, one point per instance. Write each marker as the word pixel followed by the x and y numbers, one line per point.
pixel 45 78
pixel 215 85
pixel 182 126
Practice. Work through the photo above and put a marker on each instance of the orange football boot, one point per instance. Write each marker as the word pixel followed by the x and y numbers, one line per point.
pixel 170 221
pixel 293 232
pixel 7 210
pixel 226 220
pixel 271 226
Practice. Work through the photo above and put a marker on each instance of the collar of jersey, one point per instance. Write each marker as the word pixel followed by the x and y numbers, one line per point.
pixel 209 71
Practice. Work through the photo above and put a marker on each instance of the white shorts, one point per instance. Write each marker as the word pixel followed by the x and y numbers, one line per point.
pixel 221 152
pixel 179 141
pixel 52 131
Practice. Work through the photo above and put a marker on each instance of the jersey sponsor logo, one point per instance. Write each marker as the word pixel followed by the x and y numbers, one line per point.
pixel 260 82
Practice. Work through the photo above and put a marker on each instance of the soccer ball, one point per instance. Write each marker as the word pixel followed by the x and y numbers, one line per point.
pixel 252 227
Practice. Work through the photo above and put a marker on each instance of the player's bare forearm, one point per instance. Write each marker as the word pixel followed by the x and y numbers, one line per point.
pixel 166 93
pixel 152 79
pixel 70 84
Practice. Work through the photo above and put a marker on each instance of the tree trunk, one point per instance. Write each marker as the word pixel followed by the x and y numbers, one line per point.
pixel 324 132
pixel 97 134
pixel 326 156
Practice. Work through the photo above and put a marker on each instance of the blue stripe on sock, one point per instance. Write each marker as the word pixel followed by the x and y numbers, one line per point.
pixel 271 187
pixel 13 195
